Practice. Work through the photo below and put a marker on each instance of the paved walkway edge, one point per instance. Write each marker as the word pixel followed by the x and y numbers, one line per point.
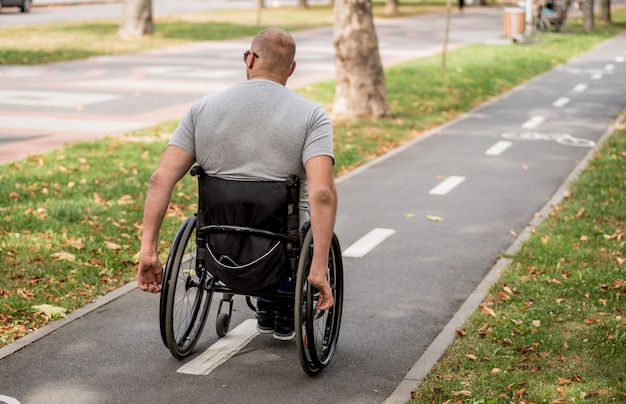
pixel 438 347
pixel 73 316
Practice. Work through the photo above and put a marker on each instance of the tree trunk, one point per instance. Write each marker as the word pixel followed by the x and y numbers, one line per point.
pixel 360 90
pixel 391 7
pixel 604 13
pixel 588 23
pixel 568 5
pixel 303 4
pixel 137 19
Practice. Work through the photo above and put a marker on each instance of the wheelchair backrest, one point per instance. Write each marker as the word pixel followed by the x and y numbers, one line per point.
pixel 247 229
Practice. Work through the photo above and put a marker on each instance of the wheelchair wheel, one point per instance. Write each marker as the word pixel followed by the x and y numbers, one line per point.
pixel 186 300
pixel 317 332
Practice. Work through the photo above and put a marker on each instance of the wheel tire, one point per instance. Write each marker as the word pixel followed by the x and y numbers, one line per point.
pixel 317 332
pixel 187 302
pixel 222 324
pixel 166 275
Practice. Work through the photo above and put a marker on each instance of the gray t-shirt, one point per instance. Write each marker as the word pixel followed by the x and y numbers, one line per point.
pixel 256 130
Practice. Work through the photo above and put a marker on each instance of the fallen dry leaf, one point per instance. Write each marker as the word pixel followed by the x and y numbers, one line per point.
pixel 63 256
pixel 502 295
pixel 113 246
pixel 487 310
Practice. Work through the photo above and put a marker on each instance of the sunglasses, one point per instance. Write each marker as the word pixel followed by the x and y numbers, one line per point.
pixel 247 53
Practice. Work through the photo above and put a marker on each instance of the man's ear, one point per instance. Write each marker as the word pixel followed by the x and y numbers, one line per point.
pixel 250 62
pixel 293 67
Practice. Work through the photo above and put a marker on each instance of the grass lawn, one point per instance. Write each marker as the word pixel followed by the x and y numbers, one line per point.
pixel 553 327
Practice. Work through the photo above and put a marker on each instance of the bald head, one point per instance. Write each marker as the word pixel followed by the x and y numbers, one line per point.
pixel 276 49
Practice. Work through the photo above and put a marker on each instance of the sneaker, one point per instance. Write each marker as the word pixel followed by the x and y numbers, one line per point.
pixel 265 321
pixel 284 329
pixel 283 324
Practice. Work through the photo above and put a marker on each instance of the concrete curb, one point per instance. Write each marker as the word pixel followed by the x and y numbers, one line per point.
pixel 73 316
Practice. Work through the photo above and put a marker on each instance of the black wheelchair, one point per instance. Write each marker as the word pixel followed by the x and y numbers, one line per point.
pixel 245 239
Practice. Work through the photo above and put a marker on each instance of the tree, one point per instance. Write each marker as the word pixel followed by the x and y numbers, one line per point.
pixel 137 20
pixel 588 23
pixel 604 12
pixel 360 89
pixel 391 7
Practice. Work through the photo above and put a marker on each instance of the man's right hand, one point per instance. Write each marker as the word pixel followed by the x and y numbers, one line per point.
pixel 150 275
pixel 325 300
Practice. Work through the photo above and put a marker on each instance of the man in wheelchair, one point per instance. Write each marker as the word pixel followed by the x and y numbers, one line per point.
pixel 257 130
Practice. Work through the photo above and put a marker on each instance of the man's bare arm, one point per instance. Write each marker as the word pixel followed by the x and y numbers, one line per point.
pixel 174 163
pixel 323 205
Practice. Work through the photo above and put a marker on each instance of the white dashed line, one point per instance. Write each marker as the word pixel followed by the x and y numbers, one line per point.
pixel 597 76
pixel 610 67
pixel 53 98
pixel 533 122
pixel 8 400
pixel 579 88
pixel 447 185
pixel 367 243
pixel 153 85
pixel 70 125
pixel 498 148
pixel 561 102
pixel 619 59
pixel 222 350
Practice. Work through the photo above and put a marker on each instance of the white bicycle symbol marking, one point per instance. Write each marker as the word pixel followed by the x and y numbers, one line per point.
pixel 561 138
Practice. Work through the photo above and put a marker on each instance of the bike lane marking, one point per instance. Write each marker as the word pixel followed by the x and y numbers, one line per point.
pixel 368 242
pixel 561 102
pixel 498 148
pixel 222 350
pixel 447 185
pixel 533 122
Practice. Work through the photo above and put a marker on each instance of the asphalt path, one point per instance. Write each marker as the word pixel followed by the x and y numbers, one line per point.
pixel 440 209
pixel 44 11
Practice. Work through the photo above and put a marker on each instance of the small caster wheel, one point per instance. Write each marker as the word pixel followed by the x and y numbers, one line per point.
pixel 221 324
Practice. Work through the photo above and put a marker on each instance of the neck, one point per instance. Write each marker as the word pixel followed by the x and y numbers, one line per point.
pixel 268 78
